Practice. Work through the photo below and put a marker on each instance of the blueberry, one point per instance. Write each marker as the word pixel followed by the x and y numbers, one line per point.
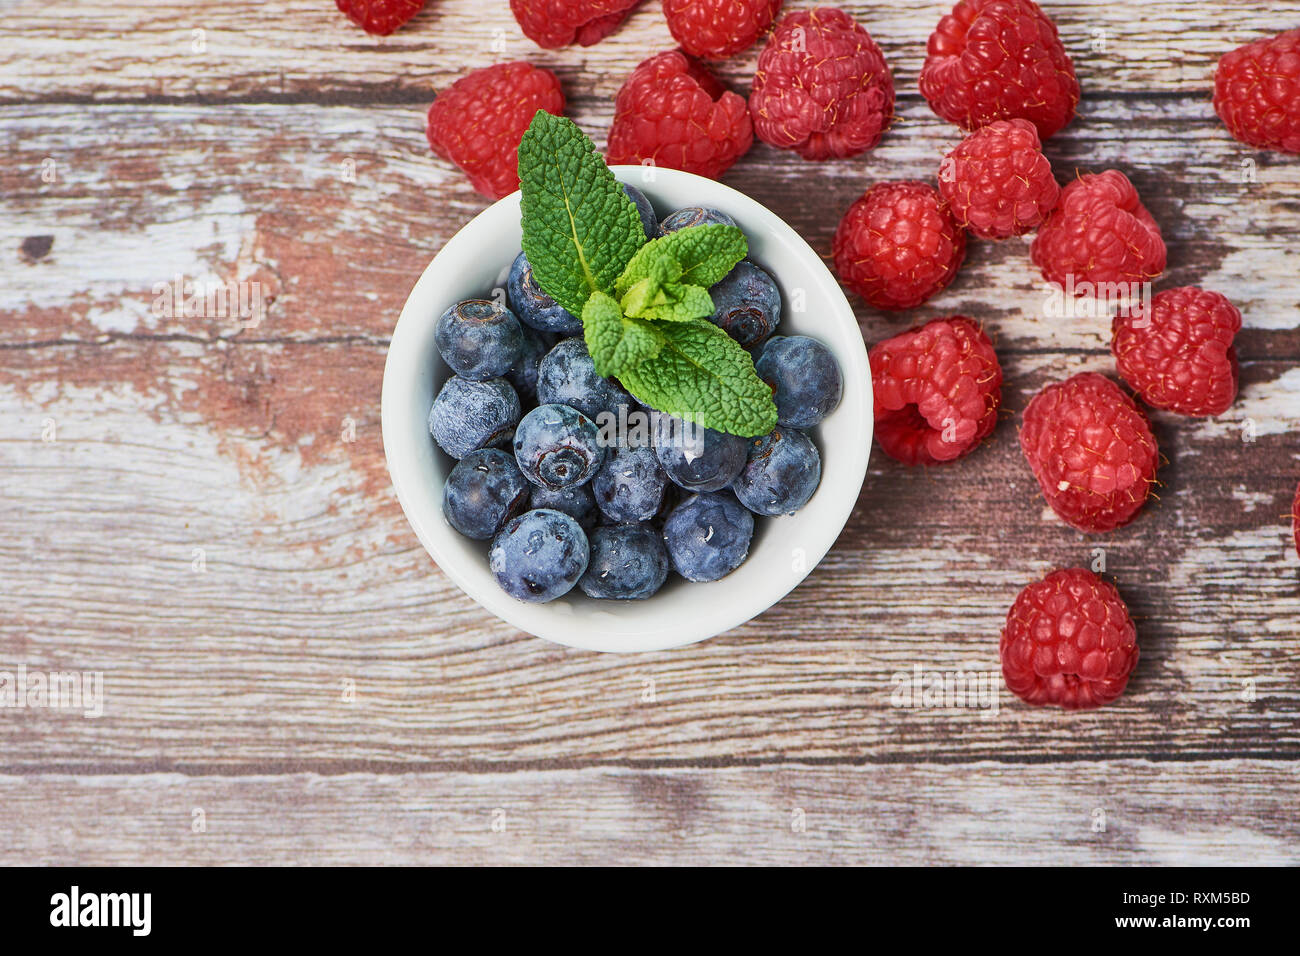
pixel 671 499
pixel 566 376
pixel 649 221
pixel 467 415
pixel 781 474
pixel 483 492
pixel 557 446
pixel 523 374
pixel 533 306
pixel 576 501
pixel 694 216
pixel 478 340
pixel 804 377
pixel 539 556
pixel 708 536
pixel 746 304
pixel 628 563
pixel 630 484
pixel 697 458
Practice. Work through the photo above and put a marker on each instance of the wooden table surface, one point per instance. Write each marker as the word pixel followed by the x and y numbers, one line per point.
pixel 202 512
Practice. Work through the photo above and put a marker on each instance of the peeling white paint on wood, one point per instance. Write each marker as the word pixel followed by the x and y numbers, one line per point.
pixel 1230 813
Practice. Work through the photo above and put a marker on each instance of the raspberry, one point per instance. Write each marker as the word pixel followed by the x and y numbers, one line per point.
pixel 1068 641
pixel 478 121
pixel 1178 353
pixel 937 389
pixel 716 29
pixel 1099 234
pixel 999 59
pixel 674 113
pixel 822 87
pixel 997 181
pixel 552 24
pixel 1092 451
pixel 379 16
pixel 1257 92
pixel 898 245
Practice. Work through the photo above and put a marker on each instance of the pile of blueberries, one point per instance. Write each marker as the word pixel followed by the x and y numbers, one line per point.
pixel 601 492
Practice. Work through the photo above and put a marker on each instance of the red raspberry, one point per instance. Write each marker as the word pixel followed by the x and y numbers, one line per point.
pixel 379 16
pixel 478 121
pixel 675 113
pixel 938 389
pixel 1068 641
pixel 898 245
pixel 1178 354
pixel 999 59
pixel 997 181
pixel 1092 451
pixel 1257 92
pixel 552 24
pixel 717 29
pixel 1099 234
pixel 822 87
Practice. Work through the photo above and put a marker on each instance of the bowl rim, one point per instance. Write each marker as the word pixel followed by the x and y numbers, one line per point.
pixel 560 626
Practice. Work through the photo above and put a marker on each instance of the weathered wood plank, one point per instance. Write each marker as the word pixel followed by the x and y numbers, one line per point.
pixel 309 579
pixel 335 210
pixel 302 48
pixel 1229 813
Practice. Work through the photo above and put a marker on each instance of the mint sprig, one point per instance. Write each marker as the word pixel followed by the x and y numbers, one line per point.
pixel 580 229
pixel 644 305
pixel 668 279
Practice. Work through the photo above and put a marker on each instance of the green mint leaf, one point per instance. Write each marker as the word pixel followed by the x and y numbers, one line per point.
pixel 644 295
pixel 664 269
pixel 703 254
pixel 662 294
pixel 703 375
pixel 580 229
pixel 674 302
pixel 650 291
pixel 615 341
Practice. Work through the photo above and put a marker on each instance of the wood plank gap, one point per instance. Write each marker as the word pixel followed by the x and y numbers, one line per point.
pixel 334 768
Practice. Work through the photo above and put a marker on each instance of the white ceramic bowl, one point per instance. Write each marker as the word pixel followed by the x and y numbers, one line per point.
pixel 784 549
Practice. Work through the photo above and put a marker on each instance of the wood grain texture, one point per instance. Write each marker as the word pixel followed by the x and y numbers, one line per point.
pixel 303 49
pixel 1230 813
pixel 212 525
pixel 311 577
